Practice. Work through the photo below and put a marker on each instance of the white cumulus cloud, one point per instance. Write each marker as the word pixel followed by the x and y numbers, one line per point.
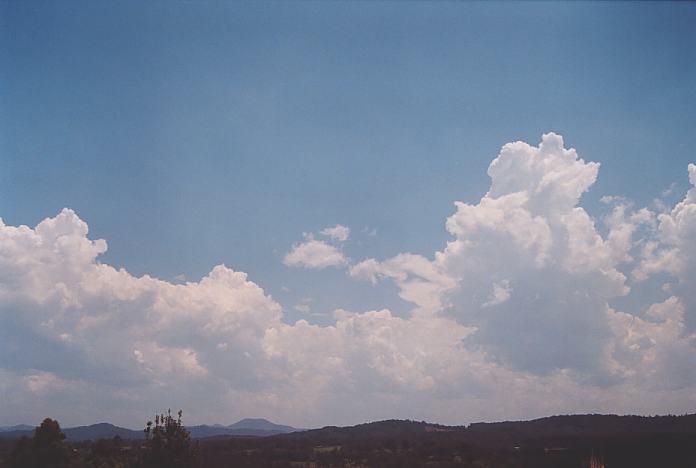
pixel 514 317
pixel 319 254
pixel 339 232
pixel 314 254
pixel 529 230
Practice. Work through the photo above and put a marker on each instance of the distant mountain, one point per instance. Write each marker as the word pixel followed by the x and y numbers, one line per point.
pixel 79 433
pixel 17 427
pixel 377 430
pixel 245 427
pixel 261 424
pixel 101 431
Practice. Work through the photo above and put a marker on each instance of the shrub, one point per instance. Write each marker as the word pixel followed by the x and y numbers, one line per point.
pixel 168 443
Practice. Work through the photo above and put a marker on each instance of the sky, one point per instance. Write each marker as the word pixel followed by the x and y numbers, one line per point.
pixel 338 212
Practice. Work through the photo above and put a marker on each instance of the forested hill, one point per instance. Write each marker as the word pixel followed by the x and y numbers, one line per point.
pixel 600 425
pixel 552 442
pixel 509 432
pixel 380 429
pixel 588 425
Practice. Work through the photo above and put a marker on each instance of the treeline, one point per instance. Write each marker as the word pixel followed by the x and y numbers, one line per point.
pixel 167 444
pixel 592 441
pixel 413 444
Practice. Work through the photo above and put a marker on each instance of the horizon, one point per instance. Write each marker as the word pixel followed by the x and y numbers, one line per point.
pixel 301 429
pixel 332 213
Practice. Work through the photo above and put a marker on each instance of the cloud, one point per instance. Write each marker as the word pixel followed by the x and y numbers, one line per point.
pixel 656 350
pixel 500 294
pixel 529 231
pixel 314 254
pixel 514 317
pixel 318 254
pixel 67 315
pixel 672 249
pixel 420 280
pixel 338 232
pixel 305 306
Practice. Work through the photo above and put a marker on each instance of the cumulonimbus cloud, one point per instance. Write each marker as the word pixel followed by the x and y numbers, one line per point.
pixel 513 317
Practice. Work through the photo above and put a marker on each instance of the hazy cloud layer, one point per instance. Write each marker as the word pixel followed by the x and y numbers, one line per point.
pixel 512 318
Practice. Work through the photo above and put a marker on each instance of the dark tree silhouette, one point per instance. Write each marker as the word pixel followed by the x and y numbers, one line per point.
pixel 47 449
pixel 168 443
pixel 107 453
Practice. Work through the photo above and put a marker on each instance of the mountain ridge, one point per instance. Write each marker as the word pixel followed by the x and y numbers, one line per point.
pixel 556 426
pixel 16 427
pixel 257 427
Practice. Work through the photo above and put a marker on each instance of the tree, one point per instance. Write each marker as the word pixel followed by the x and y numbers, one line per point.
pixel 46 449
pixel 107 453
pixel 168 443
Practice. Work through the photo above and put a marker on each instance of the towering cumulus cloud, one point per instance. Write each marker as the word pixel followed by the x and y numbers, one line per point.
pixel 515 316
pixel 527 266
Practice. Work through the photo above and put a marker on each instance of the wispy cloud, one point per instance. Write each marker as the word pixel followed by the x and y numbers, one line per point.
pixel 338 232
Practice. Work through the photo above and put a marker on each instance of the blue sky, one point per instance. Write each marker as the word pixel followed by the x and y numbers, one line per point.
pixel 194 133
pixel 190 134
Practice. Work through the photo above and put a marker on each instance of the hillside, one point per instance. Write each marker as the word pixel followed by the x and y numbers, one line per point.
pixel 557 441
